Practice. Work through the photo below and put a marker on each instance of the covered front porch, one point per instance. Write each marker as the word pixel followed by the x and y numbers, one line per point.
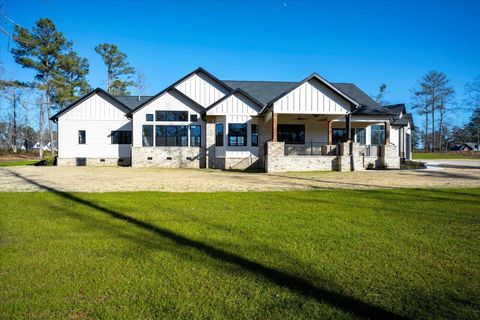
pixel 319 134
pixel 342 142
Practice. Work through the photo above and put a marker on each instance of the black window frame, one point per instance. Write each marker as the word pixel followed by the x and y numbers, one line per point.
pixel 171 136
pixel 171 116
pixel 337 138
pixel 254 135
pixel 149 117
pixel 82 137
pixel 193 117
pixel 234 134
pixel 144 137
pixel 289 136
pixel 219 134
pixel 195 141
pixel 121 137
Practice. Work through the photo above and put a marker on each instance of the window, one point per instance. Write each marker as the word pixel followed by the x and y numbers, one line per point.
pixel 219 134
pixel 149 117
pixel 171 115
pixel 254 135
pixel 193 118
pixel 121 137
pixel 377 135
pixel 195 136
pixel 81 137
pixel 291 133
pixel 339 135
pixel 237 134
pixel 147 135
pixel 361 136
pixel 171 136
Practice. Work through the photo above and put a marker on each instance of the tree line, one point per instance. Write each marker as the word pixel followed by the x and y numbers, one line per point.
pixel 60 77
pixel 433 100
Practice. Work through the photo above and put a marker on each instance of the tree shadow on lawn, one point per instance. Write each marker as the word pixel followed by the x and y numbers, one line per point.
pixel 293 283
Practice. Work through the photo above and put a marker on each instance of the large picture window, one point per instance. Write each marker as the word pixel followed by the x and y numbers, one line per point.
pixel 339 135
pixel 171 115
pixel 377 135
pixel 237 134
pixel 219 134
pixel 121 137
pixel 291 133
pixel 195 136
pixel 147 135
pixel 254 139
pixel 171 136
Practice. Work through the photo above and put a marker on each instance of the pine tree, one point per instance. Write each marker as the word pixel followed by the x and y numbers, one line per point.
pixel 70 79
pixel 40 50
pixel 119 70
pixel 380 97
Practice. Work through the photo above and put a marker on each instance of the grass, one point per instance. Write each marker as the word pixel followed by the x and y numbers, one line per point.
pixel 17 162
pixel 307 254
pixel 443 155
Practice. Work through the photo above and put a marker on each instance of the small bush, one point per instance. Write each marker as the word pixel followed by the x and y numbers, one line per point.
pixel 370 166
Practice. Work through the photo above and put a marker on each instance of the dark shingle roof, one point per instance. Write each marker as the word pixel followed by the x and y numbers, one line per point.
pixel 263 91
pixel 132 101
pixel 266 91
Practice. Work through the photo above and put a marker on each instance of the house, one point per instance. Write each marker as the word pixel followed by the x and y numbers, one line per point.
pixel 202 122
pixel 466 147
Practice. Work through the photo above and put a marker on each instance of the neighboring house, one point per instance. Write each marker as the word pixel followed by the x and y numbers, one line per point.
pixel 46 147
pixel 466 147
pixel 200 121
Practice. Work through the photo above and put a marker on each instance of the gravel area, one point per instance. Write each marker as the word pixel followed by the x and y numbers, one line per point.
pixel 98 179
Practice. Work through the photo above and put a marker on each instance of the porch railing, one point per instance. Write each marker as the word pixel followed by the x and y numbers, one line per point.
pixel 312 148
pixel 318 148
pixel 369 151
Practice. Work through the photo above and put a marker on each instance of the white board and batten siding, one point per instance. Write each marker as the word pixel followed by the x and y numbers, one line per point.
pixel 312 97
pixel 98 117
pixel 234 105
pixel 236 109
pixel 168 101
pixel 201 89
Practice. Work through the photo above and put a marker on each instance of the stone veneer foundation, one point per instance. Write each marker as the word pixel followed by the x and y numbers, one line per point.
pixel 95 162
pixel 168 157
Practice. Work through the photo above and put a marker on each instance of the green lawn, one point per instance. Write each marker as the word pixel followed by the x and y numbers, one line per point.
pixel 314 254
pixel 17 162
pixel 443 155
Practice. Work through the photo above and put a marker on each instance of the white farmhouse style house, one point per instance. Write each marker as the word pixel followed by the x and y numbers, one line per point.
pixel 203 122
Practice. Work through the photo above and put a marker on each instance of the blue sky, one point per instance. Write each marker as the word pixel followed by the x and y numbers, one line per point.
pixel 365 42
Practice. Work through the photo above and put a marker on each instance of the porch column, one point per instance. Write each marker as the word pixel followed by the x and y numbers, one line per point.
pixel 274 125
pixel 329 132
pixel 387 132
pixel 348 128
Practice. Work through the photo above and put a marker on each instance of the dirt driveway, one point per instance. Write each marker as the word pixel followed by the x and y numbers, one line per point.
pixel 96 179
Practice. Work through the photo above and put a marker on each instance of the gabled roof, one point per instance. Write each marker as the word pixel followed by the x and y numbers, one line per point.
pixel 235 92
pixel 172 87
pixel 397 108
pixel 100 91
pixel 310 77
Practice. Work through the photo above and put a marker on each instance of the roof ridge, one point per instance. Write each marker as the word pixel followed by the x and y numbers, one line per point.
pixel 279 81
